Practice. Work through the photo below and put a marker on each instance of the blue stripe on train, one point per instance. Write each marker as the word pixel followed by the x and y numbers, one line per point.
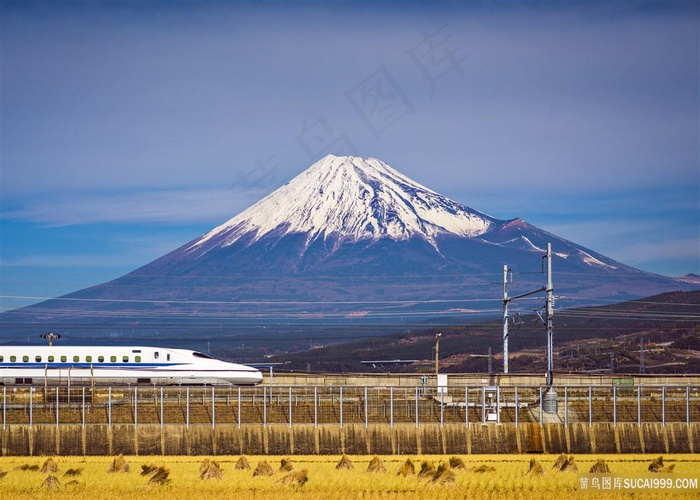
pixel 53 366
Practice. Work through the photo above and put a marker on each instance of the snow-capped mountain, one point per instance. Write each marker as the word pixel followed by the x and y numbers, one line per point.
pixel 350 199
pixel 348 239
pixel 363 203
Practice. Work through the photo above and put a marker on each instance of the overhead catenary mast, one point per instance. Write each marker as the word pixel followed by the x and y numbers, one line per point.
pixel 550 401
pixel 550 317
pixel 505 320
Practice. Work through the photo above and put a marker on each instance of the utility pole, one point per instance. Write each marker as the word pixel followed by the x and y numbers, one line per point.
pixel 550 317
pixel 550 400
pixel 505 321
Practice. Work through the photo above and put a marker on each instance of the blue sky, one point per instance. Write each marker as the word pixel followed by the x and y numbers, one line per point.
pixel 130 128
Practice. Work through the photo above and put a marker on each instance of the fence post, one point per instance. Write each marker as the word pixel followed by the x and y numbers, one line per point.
pixel 341 406
pixel 416 407
pixel 213 408
pixel 663 405
pixel 483 406
pixel 31 389
pixel 187 407
pixel 162 414
pixel 109 406
pixel 136 406
pixel 290 406
pixel 590 406
pixel 239 406
pixel 315 407
pixel 517 406
pixel 466 406
pixel 639 405
pixel 615 405
pixel 366 410
pixel 391 406
pixel 442 408
pixel 264 406
pixel 566 406
pixel 31 416
pixel 541 409
pixel 83 408
pixel 4 407
pixel 687 405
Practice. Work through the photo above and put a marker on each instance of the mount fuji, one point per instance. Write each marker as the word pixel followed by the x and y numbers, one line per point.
pixel 348 240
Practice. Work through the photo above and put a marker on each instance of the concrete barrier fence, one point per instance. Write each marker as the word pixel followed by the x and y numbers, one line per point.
pixel 354 439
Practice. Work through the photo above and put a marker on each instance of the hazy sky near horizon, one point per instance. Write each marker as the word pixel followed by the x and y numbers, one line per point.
pixel 130 128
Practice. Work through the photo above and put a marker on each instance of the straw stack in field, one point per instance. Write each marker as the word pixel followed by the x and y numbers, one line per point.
pixel 263 469
pixel 296 478
pixel 242 464
pixel 344 463
pixel 119 464
pixel 600 467
pixel 427 469
pixel 407 469
pixel 657 465
pixel 444 474
pixel 49 467
pixel 536 468
pixel 376 465
pixel 210 470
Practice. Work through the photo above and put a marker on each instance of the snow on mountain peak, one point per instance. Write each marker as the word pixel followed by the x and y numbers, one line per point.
pixel 352 198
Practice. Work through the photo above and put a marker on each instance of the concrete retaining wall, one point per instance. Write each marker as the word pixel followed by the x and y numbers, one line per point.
pixel 229 439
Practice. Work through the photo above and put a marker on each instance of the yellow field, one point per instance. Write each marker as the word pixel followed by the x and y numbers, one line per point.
pixel 509 481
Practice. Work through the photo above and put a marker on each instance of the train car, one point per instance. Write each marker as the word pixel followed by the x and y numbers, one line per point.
pixel 112 365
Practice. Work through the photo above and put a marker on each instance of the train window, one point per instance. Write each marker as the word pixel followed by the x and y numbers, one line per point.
pixel 137 359
pixel 13 358
pixel 37 359
pixel 63 359
pixel 1 359
pixel 25 359
pixel 101 359
pixel 112 359
pixel 167 356
pixel 125 359
pixel 155 355
pixel 51 359
pixel 76 359
pixel 88 359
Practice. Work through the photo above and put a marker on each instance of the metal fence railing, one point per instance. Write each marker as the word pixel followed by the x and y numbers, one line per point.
pixel 342 405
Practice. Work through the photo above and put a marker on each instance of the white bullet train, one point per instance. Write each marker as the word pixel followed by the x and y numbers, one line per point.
pixel 111 365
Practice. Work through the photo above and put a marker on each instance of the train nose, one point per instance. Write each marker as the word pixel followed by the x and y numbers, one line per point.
pixel 250 376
